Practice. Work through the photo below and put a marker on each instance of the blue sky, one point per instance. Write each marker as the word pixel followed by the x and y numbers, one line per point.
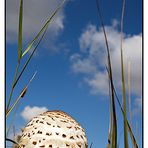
pixel 69 76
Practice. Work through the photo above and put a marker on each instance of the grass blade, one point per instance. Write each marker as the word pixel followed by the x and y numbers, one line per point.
pixel 123 81
pixel 20 31
pixel 23 92
pixel 128 125
pixel 111 117
pixel 43 28
pixel 19 51
pixel 13 86
pixel 129 92
pixel 113 92
pixel 114 130
pixel 30 57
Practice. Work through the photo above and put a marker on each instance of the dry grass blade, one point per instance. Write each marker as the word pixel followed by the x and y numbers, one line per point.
pixel 23 92
pixel 123 81
pixel 114 130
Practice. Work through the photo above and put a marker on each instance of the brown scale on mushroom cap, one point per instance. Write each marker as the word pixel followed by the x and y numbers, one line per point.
pixel 53 129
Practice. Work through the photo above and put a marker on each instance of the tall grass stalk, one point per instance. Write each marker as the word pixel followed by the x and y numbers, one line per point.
pixel 111 116
pixel 134 142
pixel 123 80
pixel 113 92
pixel 129 92
pixel 114 130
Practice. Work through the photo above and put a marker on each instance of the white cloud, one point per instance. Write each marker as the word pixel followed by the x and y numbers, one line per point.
pixel 98 83
pixel 91 60
pixel 30 112
pixel 82 65
pixel 36 13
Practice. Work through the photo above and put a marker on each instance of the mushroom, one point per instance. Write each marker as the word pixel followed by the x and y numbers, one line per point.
pixel 53 129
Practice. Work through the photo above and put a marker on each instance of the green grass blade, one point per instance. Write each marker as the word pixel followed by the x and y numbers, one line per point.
pixel 20 30
pixel 12 87
pixel 128 125
pixel 19 51
pixel 43 28
pixel 111 117
pixel 123 81
pixel 134 142
pixel 114 130
pixel 30 57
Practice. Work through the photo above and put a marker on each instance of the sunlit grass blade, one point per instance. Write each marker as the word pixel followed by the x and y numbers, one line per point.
pixel 43 28
pixel 114 130
pixel 20 30
pixel 123 80
pixel 23 92
pixel 30 57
